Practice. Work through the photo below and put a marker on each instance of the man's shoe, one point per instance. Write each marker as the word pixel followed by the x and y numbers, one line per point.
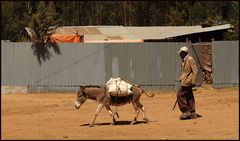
pixel 193 115
pixel 185 115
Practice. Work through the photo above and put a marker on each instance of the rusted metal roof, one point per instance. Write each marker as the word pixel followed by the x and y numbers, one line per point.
pixel 93 31
pixel 201 30
pixel 114 37
pixel 108 33
pixel 160 32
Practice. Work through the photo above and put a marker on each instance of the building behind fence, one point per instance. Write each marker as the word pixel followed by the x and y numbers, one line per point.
pixel 152 65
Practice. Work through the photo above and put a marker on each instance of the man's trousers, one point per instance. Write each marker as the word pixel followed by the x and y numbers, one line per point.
pixel 185 99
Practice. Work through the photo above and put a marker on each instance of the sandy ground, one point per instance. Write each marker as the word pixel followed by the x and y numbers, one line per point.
pixel 53 116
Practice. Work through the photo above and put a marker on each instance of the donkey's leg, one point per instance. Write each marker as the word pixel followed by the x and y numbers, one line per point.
pixel 111 114
pixel 99 108
pixel 137 111
pixel 143 108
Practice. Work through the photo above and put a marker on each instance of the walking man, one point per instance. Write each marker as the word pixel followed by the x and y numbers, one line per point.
pixel 188 77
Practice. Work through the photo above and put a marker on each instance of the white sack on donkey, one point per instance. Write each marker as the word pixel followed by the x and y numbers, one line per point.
pixel 118 87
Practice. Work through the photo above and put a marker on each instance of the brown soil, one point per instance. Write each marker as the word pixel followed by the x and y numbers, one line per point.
pixel 53 116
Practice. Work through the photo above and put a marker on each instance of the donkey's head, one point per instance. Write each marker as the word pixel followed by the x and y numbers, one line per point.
pixel 81 97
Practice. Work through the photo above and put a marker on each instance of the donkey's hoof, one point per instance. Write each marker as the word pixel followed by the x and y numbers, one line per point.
pixel 90 125
pixel 146 120
pixel 112 123
pixel 133 122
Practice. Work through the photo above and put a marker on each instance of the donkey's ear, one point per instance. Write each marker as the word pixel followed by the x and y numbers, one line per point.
pixel 84 84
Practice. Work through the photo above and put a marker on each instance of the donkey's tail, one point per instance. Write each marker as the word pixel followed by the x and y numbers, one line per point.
pixel 149 95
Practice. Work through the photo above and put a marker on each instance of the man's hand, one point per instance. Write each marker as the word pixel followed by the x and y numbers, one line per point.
pixel 177 80
pixel 193 85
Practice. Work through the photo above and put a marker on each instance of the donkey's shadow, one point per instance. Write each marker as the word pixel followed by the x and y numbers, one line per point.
pixel 118 123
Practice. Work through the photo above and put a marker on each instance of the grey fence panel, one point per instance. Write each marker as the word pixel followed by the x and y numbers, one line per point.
pixel 78 64
pixel 225 59
pixel 15 63
pixel 153 65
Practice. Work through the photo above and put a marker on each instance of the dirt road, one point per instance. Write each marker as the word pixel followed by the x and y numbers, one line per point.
pixel 53 116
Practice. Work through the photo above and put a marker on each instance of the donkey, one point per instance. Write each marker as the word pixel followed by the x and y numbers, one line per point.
pixel 104 99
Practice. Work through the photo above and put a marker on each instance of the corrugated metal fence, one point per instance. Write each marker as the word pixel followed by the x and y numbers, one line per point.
pixel 225 59
pixel 152 65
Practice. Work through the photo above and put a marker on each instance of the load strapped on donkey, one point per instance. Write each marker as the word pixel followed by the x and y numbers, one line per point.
pixel 119 90
pixel 118 87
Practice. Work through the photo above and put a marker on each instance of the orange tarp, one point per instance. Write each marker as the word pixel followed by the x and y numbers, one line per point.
pixel 65 38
